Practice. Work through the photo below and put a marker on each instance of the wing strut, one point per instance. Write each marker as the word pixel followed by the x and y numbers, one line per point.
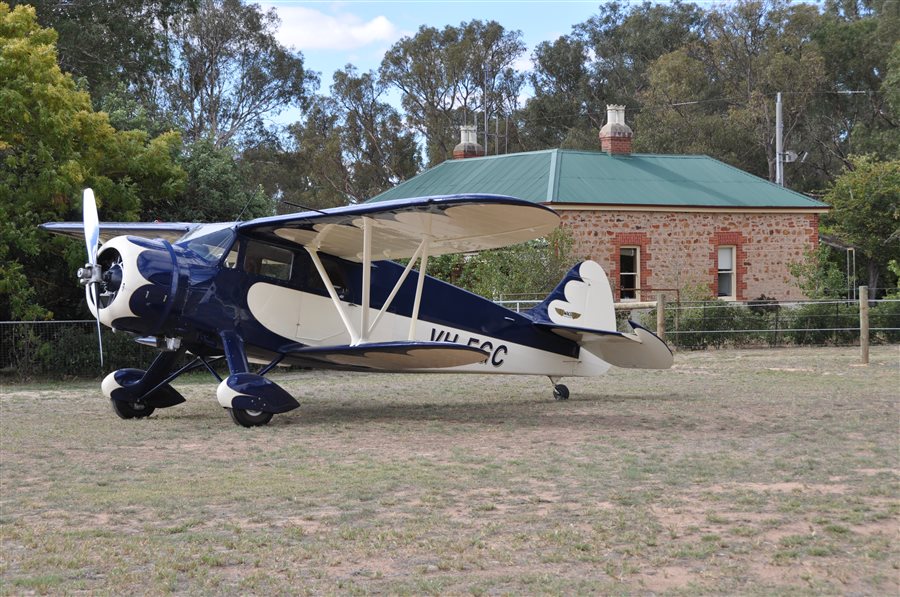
pixel 312 249
pixel 414 318
pixel 365 330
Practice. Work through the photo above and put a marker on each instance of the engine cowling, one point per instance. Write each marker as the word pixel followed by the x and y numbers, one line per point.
pixel 138 285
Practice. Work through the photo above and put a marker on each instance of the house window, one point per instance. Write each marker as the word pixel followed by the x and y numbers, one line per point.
pixel 726 273
pixel 629 274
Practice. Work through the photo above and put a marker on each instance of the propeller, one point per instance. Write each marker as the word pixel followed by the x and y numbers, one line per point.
pixel 91 273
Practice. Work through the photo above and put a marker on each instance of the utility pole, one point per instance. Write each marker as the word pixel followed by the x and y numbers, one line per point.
pixel 485 111
pixel 779 142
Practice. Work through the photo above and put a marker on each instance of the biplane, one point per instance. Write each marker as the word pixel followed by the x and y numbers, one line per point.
pixel 322 289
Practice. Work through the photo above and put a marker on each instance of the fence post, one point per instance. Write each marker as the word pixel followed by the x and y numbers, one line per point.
pixel 864 324
pixel 661 316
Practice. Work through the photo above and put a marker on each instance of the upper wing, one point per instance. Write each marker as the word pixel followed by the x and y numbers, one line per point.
pixel 452 223
pixel 171 231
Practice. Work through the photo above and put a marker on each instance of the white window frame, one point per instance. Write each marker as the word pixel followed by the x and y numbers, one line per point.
pixel 731 295
pixel 636 273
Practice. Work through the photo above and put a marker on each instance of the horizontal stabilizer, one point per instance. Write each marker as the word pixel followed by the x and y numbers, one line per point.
pixel 392 356
pixel 641 350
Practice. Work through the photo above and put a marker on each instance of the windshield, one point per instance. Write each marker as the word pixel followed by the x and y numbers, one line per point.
pixel 209 241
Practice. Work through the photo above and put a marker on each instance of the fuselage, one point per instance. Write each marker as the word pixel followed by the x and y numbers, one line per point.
pixel 274 299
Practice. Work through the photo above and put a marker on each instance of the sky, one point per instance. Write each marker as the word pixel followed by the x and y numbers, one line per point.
pixel 331 34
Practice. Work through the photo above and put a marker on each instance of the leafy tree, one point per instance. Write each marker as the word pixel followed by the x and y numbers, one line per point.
pixel 625 40
pixel 231 72
pixel 562 96
pixel 818 275
pixel 747 52
pixel 865 212
pixel 531 268
pixel 113 42
pixel 52 144
pixel 215 190
pixel 378 152
pixel 856 39
pixel 605 60
pixel 351 145
pixel 447 75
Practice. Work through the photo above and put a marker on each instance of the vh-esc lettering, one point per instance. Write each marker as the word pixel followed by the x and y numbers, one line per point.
pixel 497 354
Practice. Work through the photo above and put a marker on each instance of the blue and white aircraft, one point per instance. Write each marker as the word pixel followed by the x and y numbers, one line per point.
pixel 319 289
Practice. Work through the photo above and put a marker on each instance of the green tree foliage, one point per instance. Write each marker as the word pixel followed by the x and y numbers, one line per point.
pixel 231 72
pixel 52 144
pixel 717 94
pixel 818 275
pixel 865 212
pixel 215 190
pixel 856 39
pixel 113 42
pixel 605 60
pixel 357 143
pixel 525 270
pixel 447 76
pixel 562 97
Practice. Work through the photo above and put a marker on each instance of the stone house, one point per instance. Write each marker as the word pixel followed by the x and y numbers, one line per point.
pixel 656 223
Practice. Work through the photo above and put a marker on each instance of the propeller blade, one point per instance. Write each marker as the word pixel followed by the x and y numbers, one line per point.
pixel 91 236
pixel 96 299
pixel 91 225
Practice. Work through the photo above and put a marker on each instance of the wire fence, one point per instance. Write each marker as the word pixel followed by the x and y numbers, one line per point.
pixel 63 349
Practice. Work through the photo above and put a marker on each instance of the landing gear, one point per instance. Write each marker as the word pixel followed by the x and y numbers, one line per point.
pixel 131 410
pixel 560 392
pixel 249 418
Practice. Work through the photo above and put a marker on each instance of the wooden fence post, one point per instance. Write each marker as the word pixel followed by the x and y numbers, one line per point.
pixel 661 316
pixel 864 324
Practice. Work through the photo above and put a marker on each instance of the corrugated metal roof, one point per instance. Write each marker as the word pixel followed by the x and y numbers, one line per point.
pixel 593 177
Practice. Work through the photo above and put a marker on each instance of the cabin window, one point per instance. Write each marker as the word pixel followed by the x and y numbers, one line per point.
pixel 267 260
pixel 231 259
pixel 726 273
pixel 629 273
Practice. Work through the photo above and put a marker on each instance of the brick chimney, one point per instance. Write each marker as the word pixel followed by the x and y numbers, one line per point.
pixel 615 136
pixel 468 143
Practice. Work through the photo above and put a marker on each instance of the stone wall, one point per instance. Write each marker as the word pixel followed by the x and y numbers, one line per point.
pixel 678 250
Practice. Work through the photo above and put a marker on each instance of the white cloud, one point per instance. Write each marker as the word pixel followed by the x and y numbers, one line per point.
pixel 308 29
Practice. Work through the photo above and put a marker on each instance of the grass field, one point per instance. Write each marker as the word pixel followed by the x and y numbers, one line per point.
pixel 737 472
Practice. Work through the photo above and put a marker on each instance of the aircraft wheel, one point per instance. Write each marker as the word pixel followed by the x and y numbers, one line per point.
pixel 560 392
pixel 249 418
pixel 131 410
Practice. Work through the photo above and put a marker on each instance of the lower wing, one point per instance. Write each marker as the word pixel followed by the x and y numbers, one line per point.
pixel 392 356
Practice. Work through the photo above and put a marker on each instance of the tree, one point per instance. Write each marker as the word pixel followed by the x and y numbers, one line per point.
pixel 856 39
pixel 747 52
pixel 447 76
pixel 113 42
pixel 561 101
pixel 52 144
pixel 378 152
pixel 531 268
pixel 353 145
pixel 865 203
pixel 604 61
pixel 231 72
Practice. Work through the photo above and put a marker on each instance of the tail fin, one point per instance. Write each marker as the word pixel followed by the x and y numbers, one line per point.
pixel 581 308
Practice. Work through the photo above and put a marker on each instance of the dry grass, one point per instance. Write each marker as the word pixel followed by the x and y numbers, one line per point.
pixel 751 472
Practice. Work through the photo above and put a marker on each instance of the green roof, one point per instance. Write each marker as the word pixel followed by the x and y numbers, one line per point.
pixel 593 177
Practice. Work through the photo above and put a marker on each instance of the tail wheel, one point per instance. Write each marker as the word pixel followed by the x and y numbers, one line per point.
pixel 560 392
pixel 131 410
pixel 249 418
